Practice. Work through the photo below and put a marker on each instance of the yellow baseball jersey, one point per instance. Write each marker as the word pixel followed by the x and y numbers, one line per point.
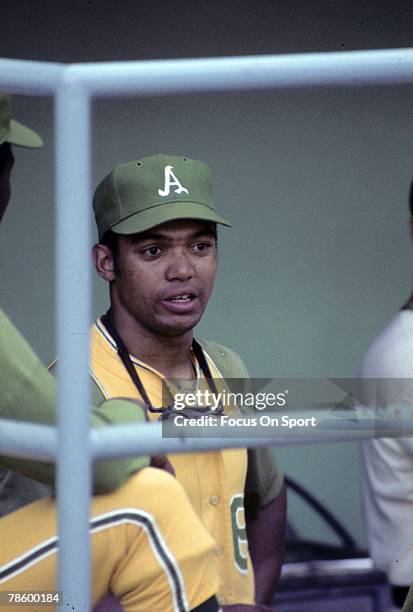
pixel 214 481
pixel 136 545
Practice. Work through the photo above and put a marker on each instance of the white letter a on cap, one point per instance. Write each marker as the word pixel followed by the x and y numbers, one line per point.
pixel 168 183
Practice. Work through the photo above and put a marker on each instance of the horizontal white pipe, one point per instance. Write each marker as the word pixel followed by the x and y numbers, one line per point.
pixel 151 77
pixel 39 441
pixel 130 441
pixel 154 77
pixel 28 440
pixel 30 77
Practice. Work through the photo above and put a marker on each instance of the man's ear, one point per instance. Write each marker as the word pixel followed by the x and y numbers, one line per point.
pixel 103 261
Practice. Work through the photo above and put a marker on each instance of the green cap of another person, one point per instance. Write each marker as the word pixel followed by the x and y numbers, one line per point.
pixel 12 131
pixel 140 194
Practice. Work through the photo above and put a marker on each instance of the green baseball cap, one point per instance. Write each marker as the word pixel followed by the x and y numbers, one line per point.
pixel 14 132
pixel 141 194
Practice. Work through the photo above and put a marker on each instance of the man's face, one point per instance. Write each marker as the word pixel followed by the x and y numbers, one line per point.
pixel 6 165
pixel 164 277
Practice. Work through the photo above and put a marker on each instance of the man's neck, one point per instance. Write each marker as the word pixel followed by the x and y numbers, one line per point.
pixel 170 355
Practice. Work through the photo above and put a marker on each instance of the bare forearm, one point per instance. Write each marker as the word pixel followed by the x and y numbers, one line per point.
pixel 266 546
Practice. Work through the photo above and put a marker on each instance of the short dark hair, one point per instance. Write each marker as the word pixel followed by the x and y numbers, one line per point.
pixel 214 230
pixel 110 239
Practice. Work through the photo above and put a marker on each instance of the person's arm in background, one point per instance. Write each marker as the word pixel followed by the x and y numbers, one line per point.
pixel 265 531
pixel 265 511
pixel 266 546
pixel 28 393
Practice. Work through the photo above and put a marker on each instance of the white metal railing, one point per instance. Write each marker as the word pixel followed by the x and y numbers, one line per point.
pixel 73 87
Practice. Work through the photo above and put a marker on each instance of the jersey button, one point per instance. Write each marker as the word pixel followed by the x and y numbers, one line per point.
pixel 214 500
pixel 218 551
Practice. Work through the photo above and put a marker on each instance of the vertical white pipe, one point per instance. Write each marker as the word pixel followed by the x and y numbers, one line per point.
pixel 73 320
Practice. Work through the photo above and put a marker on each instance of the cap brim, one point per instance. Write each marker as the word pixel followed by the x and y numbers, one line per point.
pixel 22 136
pixel 146 219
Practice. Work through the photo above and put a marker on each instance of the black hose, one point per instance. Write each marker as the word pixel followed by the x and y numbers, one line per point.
pixel 346 538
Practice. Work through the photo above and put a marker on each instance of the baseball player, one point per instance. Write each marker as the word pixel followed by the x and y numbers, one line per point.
pixel 11 133
pixel 157 250
pixel 150 556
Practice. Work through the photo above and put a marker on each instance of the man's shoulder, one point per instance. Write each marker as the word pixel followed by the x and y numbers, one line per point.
pixel 98 395
pixel 390 354
pixel 226 360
